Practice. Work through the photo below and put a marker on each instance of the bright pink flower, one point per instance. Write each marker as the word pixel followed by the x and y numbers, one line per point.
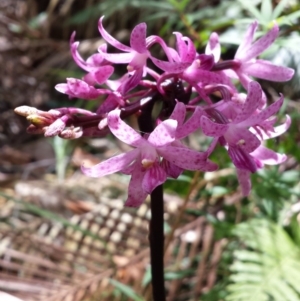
pixel 242 128
pixel 246 64
pixel 144 162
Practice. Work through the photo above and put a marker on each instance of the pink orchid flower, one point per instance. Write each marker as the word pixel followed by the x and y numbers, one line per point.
pixel 143 163
pixel 242 128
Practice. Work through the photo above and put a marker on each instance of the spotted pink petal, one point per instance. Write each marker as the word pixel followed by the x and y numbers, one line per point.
pixel 154 176
pixel 170 67
pixel 164 133
pixel 267 156
pixel 213 47
pixel 264 114
pixel 244 180
pixel 123 131
pixel 247 41
pixel 252 102
pixel 172 170
pixel 178 113
pixel 243 137
pixel 278 130
pixel 118 58
pixel 111 165
pixel 191 125
pixel 261 44
pixel 138 38
pixel 266 70
pixel 100 75
pixel 136 194
pixel 110 39
pixel 213 129
pixel 186 158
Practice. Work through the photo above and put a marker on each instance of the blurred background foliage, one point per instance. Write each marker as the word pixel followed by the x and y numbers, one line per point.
pixel 220 246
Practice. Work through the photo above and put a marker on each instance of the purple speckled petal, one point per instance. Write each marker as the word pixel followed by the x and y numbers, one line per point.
pixel 154 176
pixel 185 47
pixel 118 58
pixel 111 165
pixel 101 75
pixel 241 159
pixel 278 130
pixel 138 38
pixel 252 102
pixel 191 125
pixel 171 67
pixel 264 114
pixel 164 133
pixel 244 180
pixel 178 113
pixel 172 170
pixel 130 81
pixel 247 41
pixel 261 44
pixel 186 158
pixel 110 39
pixel 136 194
pixel 267 70
pixel 213 46
pixel 267 156
pixel 213 129
pixel 242 137
pixel 123 131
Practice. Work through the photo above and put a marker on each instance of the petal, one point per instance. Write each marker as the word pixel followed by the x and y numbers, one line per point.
pixel 261 44
pixel 252 102
pixel 171 67
pixel 101 75
pixel 213 129
pixel 191 125
pixel 185 47
pixel 244 180
pixel 178 113
pixel 111 165
pixel 138 38
pixel 264 114
pixel 268 156
pixel 242 137
pixel 278 130
pixel 247 41
pixel 118 58
pixel 186 158
pixel 136 194
pixel 213 46
pixel 164 133
pixel 241 159
pixel 111 40
pixel 172 170
pixel 130 82
pixel 154 176
pixel 123 131
pixel 266 70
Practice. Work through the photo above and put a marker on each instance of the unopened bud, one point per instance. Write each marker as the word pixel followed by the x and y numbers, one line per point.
pixel 26 111
pixel 38 120
pixel 55 128
pixel 32 129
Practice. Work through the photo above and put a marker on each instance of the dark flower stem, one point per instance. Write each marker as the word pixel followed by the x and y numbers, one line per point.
pixel 156 239
pixel 156 236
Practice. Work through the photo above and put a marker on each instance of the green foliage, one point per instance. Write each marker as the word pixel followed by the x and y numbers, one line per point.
pixel 126 290
pixel 269 269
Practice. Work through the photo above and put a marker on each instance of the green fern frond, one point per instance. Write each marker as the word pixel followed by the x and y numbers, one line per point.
pixel 270 269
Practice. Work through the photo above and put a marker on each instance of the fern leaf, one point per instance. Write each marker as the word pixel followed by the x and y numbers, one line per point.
pixel 270 269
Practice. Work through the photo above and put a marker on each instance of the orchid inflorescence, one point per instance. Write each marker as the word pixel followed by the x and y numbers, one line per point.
pixel 185 83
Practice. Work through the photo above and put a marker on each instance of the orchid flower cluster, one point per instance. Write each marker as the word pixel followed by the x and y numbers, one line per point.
pixel 184 84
